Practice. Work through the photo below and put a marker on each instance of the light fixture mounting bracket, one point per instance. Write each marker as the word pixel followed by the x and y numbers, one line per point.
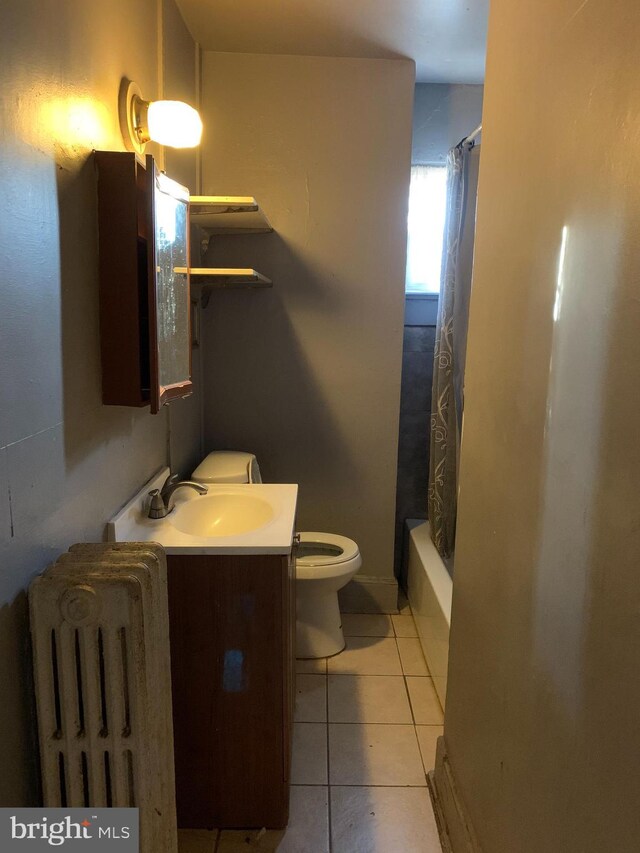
pixel 132 110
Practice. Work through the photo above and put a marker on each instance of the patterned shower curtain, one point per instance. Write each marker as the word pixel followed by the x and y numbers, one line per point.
pixel 450 350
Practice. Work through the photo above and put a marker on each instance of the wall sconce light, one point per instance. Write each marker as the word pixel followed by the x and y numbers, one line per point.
pixel 171 123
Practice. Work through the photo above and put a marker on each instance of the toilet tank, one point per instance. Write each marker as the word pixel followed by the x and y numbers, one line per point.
pixel 228 466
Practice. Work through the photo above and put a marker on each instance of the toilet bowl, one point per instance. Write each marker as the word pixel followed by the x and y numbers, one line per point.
pixel 325 562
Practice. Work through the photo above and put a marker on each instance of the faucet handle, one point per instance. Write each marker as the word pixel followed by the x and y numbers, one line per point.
pixel 157 508
pixel 171 479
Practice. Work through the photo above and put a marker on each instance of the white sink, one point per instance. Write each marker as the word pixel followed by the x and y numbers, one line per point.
pixel 222 514
pixel 234 518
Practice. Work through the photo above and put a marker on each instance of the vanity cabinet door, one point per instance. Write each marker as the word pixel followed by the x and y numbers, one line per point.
pixel 231 670
pixel 145 306
pixel 289 628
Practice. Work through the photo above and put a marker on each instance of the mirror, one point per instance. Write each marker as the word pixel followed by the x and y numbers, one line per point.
pixel 169 291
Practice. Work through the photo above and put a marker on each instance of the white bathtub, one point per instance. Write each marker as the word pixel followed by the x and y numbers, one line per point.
pixel 429 590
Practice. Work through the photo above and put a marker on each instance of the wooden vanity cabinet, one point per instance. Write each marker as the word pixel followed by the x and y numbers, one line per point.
pixel 232 621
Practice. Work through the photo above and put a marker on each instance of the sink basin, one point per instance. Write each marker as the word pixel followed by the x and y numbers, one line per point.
pixel 232 518
pixel 221 515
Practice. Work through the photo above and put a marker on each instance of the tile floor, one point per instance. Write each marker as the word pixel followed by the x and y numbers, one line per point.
pixel 365 731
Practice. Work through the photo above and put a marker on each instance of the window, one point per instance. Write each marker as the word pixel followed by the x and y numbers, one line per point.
pixel 427 209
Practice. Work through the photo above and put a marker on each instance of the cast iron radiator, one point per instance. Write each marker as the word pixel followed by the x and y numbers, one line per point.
pixel 100 630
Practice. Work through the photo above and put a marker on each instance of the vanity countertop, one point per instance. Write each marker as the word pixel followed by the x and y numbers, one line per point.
pixel 274 505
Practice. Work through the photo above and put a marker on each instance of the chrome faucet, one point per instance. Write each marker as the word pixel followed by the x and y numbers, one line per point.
pixel 161 499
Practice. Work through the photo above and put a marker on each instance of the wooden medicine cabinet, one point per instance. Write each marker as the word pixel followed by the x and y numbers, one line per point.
pixel 145 301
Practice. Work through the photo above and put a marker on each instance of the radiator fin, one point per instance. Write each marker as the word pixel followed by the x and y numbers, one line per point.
pixel 54 684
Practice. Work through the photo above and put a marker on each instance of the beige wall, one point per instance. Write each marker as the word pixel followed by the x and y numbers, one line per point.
pixel 66 462
pixel 544 695
pixel 307 374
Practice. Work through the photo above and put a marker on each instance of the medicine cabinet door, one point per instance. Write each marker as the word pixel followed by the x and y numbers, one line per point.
pixel 169 290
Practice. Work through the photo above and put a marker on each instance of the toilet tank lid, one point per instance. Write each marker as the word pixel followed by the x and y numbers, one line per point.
pixel 225 466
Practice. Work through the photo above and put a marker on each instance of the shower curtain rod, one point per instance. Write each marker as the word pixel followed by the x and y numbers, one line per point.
pixel 472 136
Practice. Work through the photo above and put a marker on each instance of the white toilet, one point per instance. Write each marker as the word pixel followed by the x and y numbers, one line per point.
pixel 325 562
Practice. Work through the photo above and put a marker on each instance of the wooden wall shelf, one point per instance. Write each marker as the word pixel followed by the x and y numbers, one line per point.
pixel 208 279
pixel 226 277
pixel 226 214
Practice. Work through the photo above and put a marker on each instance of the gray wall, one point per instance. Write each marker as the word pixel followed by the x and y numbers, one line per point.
pixel 307 374
pixel 442 115
pixel 413 443
pixel 66 462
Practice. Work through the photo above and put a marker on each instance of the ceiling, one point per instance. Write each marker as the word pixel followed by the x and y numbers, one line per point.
pixel 446 38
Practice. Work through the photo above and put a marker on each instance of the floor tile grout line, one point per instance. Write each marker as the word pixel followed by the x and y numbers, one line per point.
pixel 406 688
pixel 424 769
pixel 369 637
pixel 351 785
pixel 371 723
pixel 380 674
pixel 329 825
pixel 415 725
pixel 385 785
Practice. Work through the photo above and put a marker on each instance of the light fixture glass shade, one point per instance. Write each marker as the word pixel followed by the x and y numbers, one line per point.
pixel 174 123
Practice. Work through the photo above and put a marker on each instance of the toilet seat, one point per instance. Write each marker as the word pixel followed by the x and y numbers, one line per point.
pixel 334 557
pixel 331 549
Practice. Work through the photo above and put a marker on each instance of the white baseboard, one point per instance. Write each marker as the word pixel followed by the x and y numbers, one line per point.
pixel 456 831
pixel 369 595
